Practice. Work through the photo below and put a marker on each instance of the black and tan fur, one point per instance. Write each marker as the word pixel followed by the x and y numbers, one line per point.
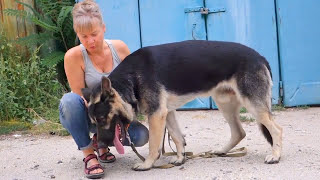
pixel 157 80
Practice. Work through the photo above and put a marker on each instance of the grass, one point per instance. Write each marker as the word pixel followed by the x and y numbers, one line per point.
pixel 282 108
pixel 246 119
pixel 277 107
pixel 140 117
pixel 52 115
pixel 7 127
pixel 49 127
pixel 274 108
pixel 243 110
pixel 303 107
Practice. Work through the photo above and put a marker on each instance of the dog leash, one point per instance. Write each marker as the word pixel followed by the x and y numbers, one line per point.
pixel 208 154
pixel 165 166
pixel 188 155
pixel 133 147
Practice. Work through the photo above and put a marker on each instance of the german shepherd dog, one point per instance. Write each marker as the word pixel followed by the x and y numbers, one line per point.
pixel 156 80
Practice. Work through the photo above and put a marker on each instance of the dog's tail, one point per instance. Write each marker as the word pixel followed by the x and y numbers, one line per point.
pixel 266 63
pixel 266 133
pixel 264 130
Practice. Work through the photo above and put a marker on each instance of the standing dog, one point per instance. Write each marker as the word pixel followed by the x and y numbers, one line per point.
pixel 157 80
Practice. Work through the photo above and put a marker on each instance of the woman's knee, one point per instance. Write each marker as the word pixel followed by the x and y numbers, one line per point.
pixel 70 101
pixel 144 137
pixel 71 105
pixel 139 134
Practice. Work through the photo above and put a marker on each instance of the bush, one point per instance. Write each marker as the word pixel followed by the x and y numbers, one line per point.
pixel 55 30
pixel 28 88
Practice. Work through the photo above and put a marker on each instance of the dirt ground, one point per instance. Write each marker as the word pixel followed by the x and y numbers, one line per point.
pixel 54 157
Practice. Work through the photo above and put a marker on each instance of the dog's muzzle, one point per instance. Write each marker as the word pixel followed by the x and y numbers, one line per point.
pixel 117 139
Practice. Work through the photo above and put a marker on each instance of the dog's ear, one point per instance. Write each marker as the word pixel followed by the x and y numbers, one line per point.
pixel 86 92
pixel 105 85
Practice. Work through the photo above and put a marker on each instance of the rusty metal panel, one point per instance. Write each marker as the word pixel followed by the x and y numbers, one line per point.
pixel 15 27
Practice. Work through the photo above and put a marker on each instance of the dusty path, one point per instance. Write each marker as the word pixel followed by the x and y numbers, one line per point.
pixel 28 157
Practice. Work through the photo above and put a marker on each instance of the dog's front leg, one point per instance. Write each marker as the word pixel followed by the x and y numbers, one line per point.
pixel 177 136
pixel 157 122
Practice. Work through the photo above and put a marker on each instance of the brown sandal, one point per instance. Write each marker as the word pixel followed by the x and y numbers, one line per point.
pixel 87 170
pixel 103 158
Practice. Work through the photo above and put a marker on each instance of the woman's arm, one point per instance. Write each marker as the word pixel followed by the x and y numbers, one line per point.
pixel 74 68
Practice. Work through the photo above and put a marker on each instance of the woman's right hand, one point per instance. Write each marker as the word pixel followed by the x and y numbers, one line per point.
pixel 85 101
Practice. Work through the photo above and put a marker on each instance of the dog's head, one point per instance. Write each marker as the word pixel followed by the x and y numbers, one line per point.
pixel 109 112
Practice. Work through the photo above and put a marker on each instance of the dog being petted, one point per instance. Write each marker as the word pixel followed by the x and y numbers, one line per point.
pixel 156 80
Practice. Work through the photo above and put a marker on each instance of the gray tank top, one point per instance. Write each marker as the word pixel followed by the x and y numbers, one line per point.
pixel 91 75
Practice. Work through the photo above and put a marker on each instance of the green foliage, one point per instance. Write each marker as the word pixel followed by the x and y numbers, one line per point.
pixel 7 127
pixel 303 107
pixel 53 58
pixel 243 110
pixel 49 127
pixel 246 119
pixel 40 21
pixel 56 29
pixel 34 39
pixel 278 107
pixel 28 88
pixel 141 117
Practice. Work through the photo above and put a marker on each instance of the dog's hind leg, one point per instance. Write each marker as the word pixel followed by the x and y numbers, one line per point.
pixel 229 105
pixel 256 92
pixel 157 122
pixel 178 139
pixel 271 130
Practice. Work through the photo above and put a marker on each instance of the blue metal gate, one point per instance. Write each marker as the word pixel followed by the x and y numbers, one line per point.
pixel 254 23
pixel 166 21
pixel 299 37
pixel 122 21
pixel 248 22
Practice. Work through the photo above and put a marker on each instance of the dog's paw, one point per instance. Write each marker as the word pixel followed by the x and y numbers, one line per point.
pixel 178 161
pixel 272 159
pixel 141 167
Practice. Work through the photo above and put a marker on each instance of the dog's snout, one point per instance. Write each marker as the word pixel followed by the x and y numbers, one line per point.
pixel 100 118
pixel 105 137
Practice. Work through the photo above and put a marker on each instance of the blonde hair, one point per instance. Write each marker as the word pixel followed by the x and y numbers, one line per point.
pixel 84 13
